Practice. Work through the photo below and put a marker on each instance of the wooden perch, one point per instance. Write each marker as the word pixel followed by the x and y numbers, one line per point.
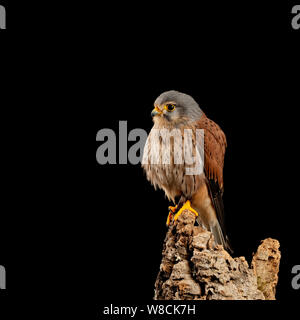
pixel 192 268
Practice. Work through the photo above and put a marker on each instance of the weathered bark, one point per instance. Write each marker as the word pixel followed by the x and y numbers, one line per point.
pixel 265 264
pixel 192 268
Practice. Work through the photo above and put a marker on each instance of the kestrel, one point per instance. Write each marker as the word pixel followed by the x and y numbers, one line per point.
pixel 200 193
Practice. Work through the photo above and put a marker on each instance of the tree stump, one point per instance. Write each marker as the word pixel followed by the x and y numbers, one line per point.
pixel 192 268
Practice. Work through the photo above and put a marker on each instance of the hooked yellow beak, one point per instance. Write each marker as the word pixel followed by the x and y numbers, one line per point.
pixel 156 111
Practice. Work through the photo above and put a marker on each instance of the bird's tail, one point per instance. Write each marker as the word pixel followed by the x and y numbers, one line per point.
pixel 220 238
pixel 217 227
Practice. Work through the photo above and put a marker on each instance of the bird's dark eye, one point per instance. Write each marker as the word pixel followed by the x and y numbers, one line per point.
pixel 170 107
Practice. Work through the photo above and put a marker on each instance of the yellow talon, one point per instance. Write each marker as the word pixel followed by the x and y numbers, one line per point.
pixel 186 206
pixel 173 209
pixel 170 216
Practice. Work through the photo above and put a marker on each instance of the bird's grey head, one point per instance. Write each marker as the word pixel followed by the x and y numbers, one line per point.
pixel 175 107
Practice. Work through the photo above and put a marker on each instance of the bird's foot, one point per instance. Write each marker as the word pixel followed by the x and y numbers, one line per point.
pixel 186 206
pixel 172 210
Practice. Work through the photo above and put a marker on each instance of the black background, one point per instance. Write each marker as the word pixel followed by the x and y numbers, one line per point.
pixel 63 78
pixel 240 65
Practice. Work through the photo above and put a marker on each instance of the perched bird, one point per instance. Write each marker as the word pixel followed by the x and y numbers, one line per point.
pixel 200 193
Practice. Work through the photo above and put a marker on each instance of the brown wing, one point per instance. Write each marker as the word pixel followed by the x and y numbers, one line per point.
pixel 214 149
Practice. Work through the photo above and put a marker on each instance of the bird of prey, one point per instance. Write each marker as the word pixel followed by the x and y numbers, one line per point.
pixel 200 193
